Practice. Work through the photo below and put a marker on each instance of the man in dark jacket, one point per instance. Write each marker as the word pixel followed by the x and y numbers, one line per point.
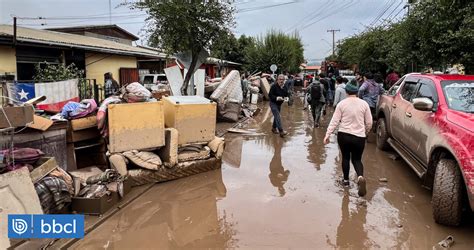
pixel 318 99
pixel 278 93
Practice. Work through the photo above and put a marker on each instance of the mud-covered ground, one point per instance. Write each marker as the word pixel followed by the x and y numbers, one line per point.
pixel 282 193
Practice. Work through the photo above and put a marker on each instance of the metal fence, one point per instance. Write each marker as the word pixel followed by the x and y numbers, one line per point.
pixel 89 89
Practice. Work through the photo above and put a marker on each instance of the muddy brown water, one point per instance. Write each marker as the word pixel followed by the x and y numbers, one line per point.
pixel 282 193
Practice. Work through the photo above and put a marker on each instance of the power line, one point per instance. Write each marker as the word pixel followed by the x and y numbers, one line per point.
pixel 350 4
pixel 323 17
pixel 62 24
pixel 312 15
pixel 264 7
pixel 389 17
pixel 381 15
pixel 78 18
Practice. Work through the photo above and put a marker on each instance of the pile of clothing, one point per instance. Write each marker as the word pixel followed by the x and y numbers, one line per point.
pixel 75 110
pixel 130 93
pixel 95 183
pixel 17 158
pixel 55 191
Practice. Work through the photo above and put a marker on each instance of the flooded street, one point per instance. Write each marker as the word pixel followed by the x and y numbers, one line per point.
pixel 277 192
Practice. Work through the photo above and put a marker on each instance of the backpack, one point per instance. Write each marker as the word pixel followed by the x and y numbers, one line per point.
pixel 315 92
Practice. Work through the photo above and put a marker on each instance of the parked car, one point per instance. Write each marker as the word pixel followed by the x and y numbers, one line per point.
pixel 151 80
pixel 429 120
pixel 349 77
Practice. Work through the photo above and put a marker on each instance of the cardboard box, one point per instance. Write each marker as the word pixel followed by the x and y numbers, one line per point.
pixel 98 206
pixel 136 126
pixel 193 116
pixel 40 123
pixel 46 166
pixel 18 116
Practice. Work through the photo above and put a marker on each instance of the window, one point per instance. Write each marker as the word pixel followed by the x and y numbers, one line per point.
pixel 148 80
pixel 427 90
pixel 459 95
pixel 162 78
pixel 408 90
pixel 394 89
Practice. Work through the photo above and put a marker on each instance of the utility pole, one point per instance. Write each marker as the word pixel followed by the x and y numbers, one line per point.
pixel 110 11
pixel 333 40
pixel 14 31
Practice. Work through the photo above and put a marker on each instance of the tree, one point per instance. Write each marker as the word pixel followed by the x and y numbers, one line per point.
pixel 435 34
pixel 186 26
pixel 286 51
pixel 46 72
pixel 227 48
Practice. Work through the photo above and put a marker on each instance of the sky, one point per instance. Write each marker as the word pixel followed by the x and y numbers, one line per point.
pixel 311 19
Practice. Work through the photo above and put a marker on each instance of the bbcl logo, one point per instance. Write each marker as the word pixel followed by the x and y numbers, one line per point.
pixel 45 226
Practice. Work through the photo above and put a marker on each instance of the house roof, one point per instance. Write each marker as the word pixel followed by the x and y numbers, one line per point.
pixel 53 38
pixel 96 27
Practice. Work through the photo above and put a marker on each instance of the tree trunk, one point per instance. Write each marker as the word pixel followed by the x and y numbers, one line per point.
pixel 191 70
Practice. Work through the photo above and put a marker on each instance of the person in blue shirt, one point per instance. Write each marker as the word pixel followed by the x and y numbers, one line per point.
pixel 370 91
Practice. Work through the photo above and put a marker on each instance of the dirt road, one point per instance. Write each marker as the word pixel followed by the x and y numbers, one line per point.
pixel 282 193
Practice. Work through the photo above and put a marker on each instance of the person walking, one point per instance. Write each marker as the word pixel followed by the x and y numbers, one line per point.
pixel 370 91
pixel 340 91
pixel 391 78
pixel 317 98
pixel 354 119
pixel 278 94
pixel 359 79
pixel 290 84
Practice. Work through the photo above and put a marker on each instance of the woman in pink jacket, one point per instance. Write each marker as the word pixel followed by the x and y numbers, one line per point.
pixel 354 119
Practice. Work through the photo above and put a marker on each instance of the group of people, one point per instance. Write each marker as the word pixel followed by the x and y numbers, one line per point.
pixel 354 105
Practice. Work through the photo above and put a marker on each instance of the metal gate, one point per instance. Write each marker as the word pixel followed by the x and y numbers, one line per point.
pixel 128 75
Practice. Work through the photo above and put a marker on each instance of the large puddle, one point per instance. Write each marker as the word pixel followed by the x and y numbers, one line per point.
pixel 282 193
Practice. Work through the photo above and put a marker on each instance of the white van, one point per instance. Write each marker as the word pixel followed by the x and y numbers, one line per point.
pixel 150 80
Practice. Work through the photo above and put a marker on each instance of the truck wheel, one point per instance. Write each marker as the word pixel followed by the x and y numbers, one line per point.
pixel 382 135
pixel 447 193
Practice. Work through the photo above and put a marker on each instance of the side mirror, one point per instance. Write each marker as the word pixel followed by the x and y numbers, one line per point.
pixel 423 104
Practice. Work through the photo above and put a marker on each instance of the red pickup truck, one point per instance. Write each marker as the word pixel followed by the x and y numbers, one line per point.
pixel 429 120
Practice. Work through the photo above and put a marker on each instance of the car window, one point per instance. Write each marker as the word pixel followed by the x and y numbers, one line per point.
pixel 162 78
pixel 408 90
pixel 427 90
pixel 459 95
pixel 148 80
pixel 393 90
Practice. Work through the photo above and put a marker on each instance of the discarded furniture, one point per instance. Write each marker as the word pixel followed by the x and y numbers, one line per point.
pixel 18 196
pixel 193 116
pixel 136 126
pixel 85 145
pixel 52 141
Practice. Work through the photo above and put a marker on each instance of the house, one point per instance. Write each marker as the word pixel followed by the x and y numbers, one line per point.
pixel 94 55
pixel 216 67
pixel 108 32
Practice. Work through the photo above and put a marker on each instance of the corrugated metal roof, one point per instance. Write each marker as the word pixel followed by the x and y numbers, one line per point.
pixel 93 27
pixel 75 41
